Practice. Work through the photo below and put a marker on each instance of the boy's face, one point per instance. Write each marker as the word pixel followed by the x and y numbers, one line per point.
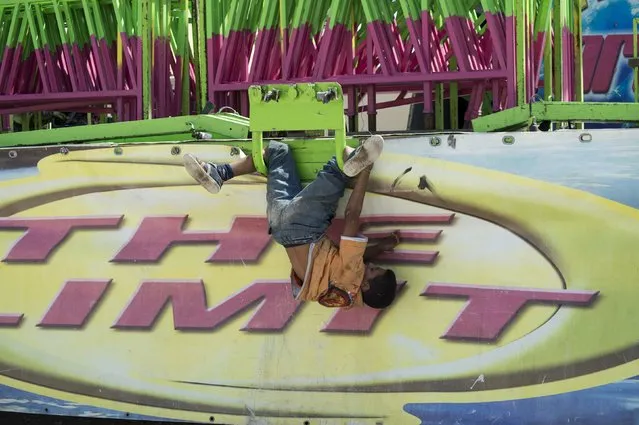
pixel 372 271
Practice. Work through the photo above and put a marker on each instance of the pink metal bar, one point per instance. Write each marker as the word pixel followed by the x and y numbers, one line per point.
pixel 42 98
pixel 325 44
pixel 5 69
pixel 498 38
pixel 511 71
pixel 50 67
pixel 377 79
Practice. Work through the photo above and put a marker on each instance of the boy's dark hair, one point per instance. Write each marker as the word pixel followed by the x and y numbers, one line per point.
pixel 381 292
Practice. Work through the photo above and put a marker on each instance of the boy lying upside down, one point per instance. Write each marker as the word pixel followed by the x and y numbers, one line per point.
pixel 334 276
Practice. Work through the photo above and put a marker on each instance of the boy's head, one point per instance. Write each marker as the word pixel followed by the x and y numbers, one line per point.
pixel 379 286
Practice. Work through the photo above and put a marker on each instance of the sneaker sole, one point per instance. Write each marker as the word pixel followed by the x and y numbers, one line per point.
pixel 365 155
pixel 199 174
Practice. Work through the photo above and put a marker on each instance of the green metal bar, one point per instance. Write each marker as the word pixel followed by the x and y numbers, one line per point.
pixel 41 25
pixel 22 36
pixel 268 16
pixel 255 12
pixel 543 16
pixel 145 35
pixel 165 19
pixel 221 126
pixel 100 31
pixel 87 16
pixel 73 38
pixel 4 29
pixel 182 51
pixel 108 19
pixel 13 28
pixel 453 95
pixel 32 27
pixel 60 21
pixel 118 10
pixel 548 68
pixel 439 107
pixel 54 36
pixel 81 26
pixel 212 23
pixel 130 15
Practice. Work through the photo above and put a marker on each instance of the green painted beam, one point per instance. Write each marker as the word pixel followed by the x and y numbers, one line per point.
pixel 221 126
pixel 558 112
pixel 501 120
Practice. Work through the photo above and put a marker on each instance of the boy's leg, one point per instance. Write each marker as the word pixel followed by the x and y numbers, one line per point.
pixel 364 155
pixel 283 182
pixel 212 176
pixel 309 214
pixel 313 209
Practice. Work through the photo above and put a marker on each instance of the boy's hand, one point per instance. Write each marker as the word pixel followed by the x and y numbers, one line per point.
pixel 390 241
pixel 384 245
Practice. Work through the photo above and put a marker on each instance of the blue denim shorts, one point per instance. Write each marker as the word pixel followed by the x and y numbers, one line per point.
pixel 297 215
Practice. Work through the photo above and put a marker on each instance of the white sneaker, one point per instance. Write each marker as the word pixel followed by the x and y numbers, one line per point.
pixel 203 173
pixel 365 155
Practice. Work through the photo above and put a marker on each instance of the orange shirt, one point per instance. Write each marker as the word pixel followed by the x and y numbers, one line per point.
pixel 330 267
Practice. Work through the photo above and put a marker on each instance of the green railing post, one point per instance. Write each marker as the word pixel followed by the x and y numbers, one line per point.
pixel 202 11
pixel 145 36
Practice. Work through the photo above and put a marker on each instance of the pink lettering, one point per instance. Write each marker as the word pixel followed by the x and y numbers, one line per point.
pixel 74 304
pixel 592 50
pixel 43 235
pixel 398 255
pixel 392 220
pixel 406 256
pixel 356 320
pixel 413 236
pixel 188 298
pixel 10 320
pixel 245 241
pixel 490 309
pixel 606 64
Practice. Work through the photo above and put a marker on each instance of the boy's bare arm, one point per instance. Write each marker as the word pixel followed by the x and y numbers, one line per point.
pixel 354 206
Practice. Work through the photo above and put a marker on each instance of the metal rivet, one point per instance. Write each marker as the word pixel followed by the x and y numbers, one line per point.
pixel 508 140
pixel 118 151
pixel 175 150
pixel 13 154
pixel 64 151
pixel 585 137
pixel 235 151
pixel 435 141
pixel 452 142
